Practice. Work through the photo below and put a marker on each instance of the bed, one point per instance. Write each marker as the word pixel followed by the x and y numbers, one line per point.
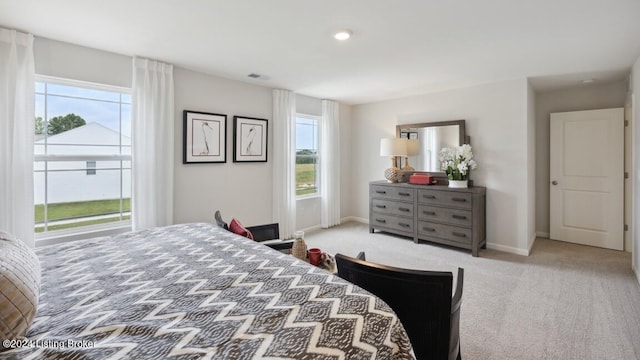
pixel 193 291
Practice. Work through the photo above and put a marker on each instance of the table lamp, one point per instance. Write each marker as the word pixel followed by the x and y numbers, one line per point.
pixel 393 147
pixel 413 149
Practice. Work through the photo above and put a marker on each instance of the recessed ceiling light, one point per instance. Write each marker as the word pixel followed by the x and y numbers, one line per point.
pixel 588 81
pixel 342 34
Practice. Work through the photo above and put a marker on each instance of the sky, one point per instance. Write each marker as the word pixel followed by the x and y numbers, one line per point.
pixel 103 106
pixel 306 133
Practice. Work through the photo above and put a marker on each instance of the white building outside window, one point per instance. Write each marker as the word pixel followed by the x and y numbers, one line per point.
pixel 81 129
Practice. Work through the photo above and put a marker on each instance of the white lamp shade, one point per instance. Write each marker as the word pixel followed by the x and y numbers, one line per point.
pixel 393 147
pixel 413 147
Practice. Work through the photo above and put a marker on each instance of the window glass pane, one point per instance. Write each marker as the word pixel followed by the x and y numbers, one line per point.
pixel 81 123
pixel 98 202
pixel 74 91
pixel 306 156
pixel 306 175
pixel 91 167
pixel 39 87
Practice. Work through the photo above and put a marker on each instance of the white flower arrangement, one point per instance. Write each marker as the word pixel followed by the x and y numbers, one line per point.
pixel 457 161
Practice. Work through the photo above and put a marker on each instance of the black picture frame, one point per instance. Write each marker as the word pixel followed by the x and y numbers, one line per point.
pixel 204 137
pixel 250 139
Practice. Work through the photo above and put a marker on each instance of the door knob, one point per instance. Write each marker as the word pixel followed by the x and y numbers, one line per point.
pixel 554 182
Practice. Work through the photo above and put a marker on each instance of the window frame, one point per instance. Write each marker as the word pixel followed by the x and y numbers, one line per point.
pixel 317 120
pixel 49 237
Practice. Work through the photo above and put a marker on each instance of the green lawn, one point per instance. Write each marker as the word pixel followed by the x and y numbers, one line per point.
pixel 305 179
pixel 77 210
pixel 72 210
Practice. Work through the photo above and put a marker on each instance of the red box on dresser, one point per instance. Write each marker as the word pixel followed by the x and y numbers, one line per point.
pixel 420 179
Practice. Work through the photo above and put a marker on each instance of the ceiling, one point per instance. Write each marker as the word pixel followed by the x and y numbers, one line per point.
pixel 398 48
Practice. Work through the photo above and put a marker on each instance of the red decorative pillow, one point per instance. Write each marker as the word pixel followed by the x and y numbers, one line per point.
pixel 236 227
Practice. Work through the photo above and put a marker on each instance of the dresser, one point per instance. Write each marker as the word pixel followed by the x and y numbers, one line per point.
pixel 434 213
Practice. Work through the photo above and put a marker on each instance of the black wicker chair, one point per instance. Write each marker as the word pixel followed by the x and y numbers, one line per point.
pixel 421 299
pixel 268 234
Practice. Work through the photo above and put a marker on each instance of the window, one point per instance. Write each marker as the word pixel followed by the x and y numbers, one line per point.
pixel 81 129
pixel 91 167
pixel 306 155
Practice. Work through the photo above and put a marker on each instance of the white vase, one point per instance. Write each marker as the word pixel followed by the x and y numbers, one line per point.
pixel 458 183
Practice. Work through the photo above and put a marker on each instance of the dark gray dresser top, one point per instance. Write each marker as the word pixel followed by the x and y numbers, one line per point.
pixel 474 189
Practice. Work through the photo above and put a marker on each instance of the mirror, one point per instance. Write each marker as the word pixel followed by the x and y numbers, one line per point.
pixel 431 137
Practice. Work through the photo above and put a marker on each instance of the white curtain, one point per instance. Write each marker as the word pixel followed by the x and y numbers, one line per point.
pixel 284 161
pixel 330 164
pixel 17 126
pixel 152 153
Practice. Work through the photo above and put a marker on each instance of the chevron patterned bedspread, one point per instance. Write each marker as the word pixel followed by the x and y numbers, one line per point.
pixel 195 291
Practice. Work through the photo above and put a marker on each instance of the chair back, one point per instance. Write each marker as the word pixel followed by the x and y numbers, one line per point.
pixel 265 232
pixel 456 302
pixel 221 223
pixel 421 299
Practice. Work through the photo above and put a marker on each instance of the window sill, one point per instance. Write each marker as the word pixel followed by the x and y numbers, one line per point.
pixel 86 232
pixel 307 197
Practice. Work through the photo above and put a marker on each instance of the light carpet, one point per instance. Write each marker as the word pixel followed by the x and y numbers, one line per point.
pixel 564 301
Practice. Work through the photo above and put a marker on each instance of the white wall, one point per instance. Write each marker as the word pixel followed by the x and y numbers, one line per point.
pixel 586 97
pixel 496 120
pixel 242 190
pixel 68 61
pixel 531 166
pixel 635 173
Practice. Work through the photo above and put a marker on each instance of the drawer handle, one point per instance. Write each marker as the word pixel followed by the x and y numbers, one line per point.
pixel 380 192
pixel 429 213
pixel 458 234
pixel 428 229
pixel 429 196
pixel 404 194
pixel 404 209
pixel 381 206
pixel 459 199
pixel 460 217
pixel 381 220
pixel 404 225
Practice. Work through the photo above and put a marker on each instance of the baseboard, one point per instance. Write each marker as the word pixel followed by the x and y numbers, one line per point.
pixel 509 249
pixel 312 228
pixel 532 240
pixel 541 234
pixel 355 219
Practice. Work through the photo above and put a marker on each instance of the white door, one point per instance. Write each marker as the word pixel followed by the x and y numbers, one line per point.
pixel 587 177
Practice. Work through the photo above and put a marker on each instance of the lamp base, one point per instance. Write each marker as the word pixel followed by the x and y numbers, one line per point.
pixel 407 167
pixel 392 174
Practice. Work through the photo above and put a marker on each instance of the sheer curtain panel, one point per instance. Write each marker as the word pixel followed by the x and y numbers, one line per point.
pixel 330 164
pixel 284 161
pixel 152 153
pixel 17 126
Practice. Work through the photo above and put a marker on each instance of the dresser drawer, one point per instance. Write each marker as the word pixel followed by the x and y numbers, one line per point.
pixel 442 231
pixel 392 207
pixel 392 222
pixel 445 215
pixel 392 193
pixel 447 198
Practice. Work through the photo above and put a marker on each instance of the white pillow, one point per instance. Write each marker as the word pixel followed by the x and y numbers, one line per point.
pixel 19 287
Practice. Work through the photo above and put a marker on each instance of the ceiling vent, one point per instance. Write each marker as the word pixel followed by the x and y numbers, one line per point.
pixel 258 76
